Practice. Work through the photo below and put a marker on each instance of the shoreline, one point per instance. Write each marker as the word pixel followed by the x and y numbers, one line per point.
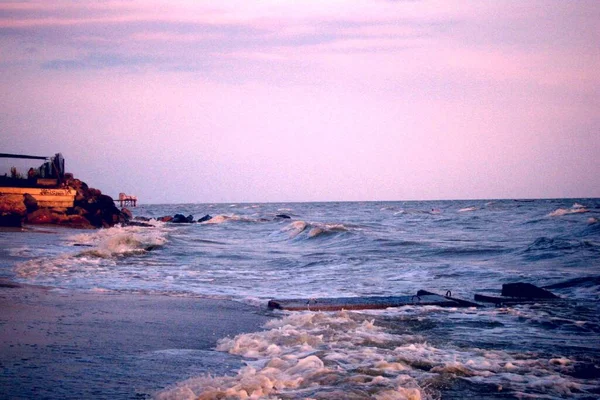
pixel 68 344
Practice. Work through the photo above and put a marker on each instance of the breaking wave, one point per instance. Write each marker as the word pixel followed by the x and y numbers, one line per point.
pixel 220 219
pixel 120 241
pixel 575 209
pixel 312 230
pixel 100 251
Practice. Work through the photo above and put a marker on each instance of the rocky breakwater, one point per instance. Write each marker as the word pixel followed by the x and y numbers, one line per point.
pixel 91 209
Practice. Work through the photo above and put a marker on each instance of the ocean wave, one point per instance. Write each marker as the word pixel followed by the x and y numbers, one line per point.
pixel 313 229
pixel 575 209
pixel 575 282
pixel 102 248
pixel 121 241
pixel 560 245
pixel 222 218
pixel 467 209
pixel 333 355
pixel 470 250
pixel 64 268
pixel 433 211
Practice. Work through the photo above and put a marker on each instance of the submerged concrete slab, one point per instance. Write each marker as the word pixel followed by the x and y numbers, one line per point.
pixel 363 303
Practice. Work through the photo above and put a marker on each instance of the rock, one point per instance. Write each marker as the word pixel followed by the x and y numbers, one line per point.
pixel 100 209
pixel 284 216
pixel 181 219
pixel 30 202
pixel 178 218
pixel 91 208
pixel 124 218
pixel 11 220
pixel 74 221
pixel 166 218
pixel 521 289
pixel 141 218
pixel 78 211
pixel 205 218
pixel 12 210
pixel 127 213
pixel 43 216
pixel 81 189
pixel 12 204
pixel 138 223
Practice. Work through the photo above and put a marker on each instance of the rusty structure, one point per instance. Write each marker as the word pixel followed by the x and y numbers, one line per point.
pixel 45 183
pixel 127 200
pixel 50 174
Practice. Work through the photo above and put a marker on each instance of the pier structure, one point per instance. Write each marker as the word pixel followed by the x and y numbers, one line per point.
pixel 127 200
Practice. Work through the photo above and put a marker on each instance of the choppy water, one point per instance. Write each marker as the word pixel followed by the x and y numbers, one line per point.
pixel 247 254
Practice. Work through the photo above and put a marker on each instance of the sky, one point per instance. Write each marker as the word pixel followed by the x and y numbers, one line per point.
pixel 280 101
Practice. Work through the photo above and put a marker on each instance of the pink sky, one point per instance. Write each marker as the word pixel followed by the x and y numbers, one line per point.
pixel 191 101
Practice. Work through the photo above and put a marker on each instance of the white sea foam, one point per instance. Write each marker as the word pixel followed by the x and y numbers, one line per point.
pixel 94 253
pixel 121 241
pixel 313 229
pixel 328 355
pixel 219 219
pixel 22 251
pixel 306 355
pixel 467 209
pixel 575 209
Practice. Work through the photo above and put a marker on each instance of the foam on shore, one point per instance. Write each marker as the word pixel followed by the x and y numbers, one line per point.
pixel 336 355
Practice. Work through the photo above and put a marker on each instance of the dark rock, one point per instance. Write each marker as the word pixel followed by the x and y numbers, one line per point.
pixel 43 216
pixel 283 216
pixel 521 289
pixel 74 221
pixel 138 223
pixel 12 210
pixel 181 219
pixel 81 189
pixel 127 213
pixel 166 218
pixel 140 218
pixel 11 220
pixel 104 201
pixel 205 218
pixel 30 202
pixel 78 211
pixel 12 204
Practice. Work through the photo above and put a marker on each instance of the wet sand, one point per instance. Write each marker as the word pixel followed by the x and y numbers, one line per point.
pixel 72 345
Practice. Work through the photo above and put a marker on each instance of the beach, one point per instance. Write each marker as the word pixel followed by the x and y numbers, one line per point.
pixel 73 345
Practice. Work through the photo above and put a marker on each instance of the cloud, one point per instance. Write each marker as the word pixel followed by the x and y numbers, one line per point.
pixel 184 33
pixel 419 99
pixel 99 61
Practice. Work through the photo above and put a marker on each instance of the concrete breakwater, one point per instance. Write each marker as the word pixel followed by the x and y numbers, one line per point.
pixel 91 209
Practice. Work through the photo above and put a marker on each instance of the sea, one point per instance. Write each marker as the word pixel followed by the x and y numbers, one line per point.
pixel 254 252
